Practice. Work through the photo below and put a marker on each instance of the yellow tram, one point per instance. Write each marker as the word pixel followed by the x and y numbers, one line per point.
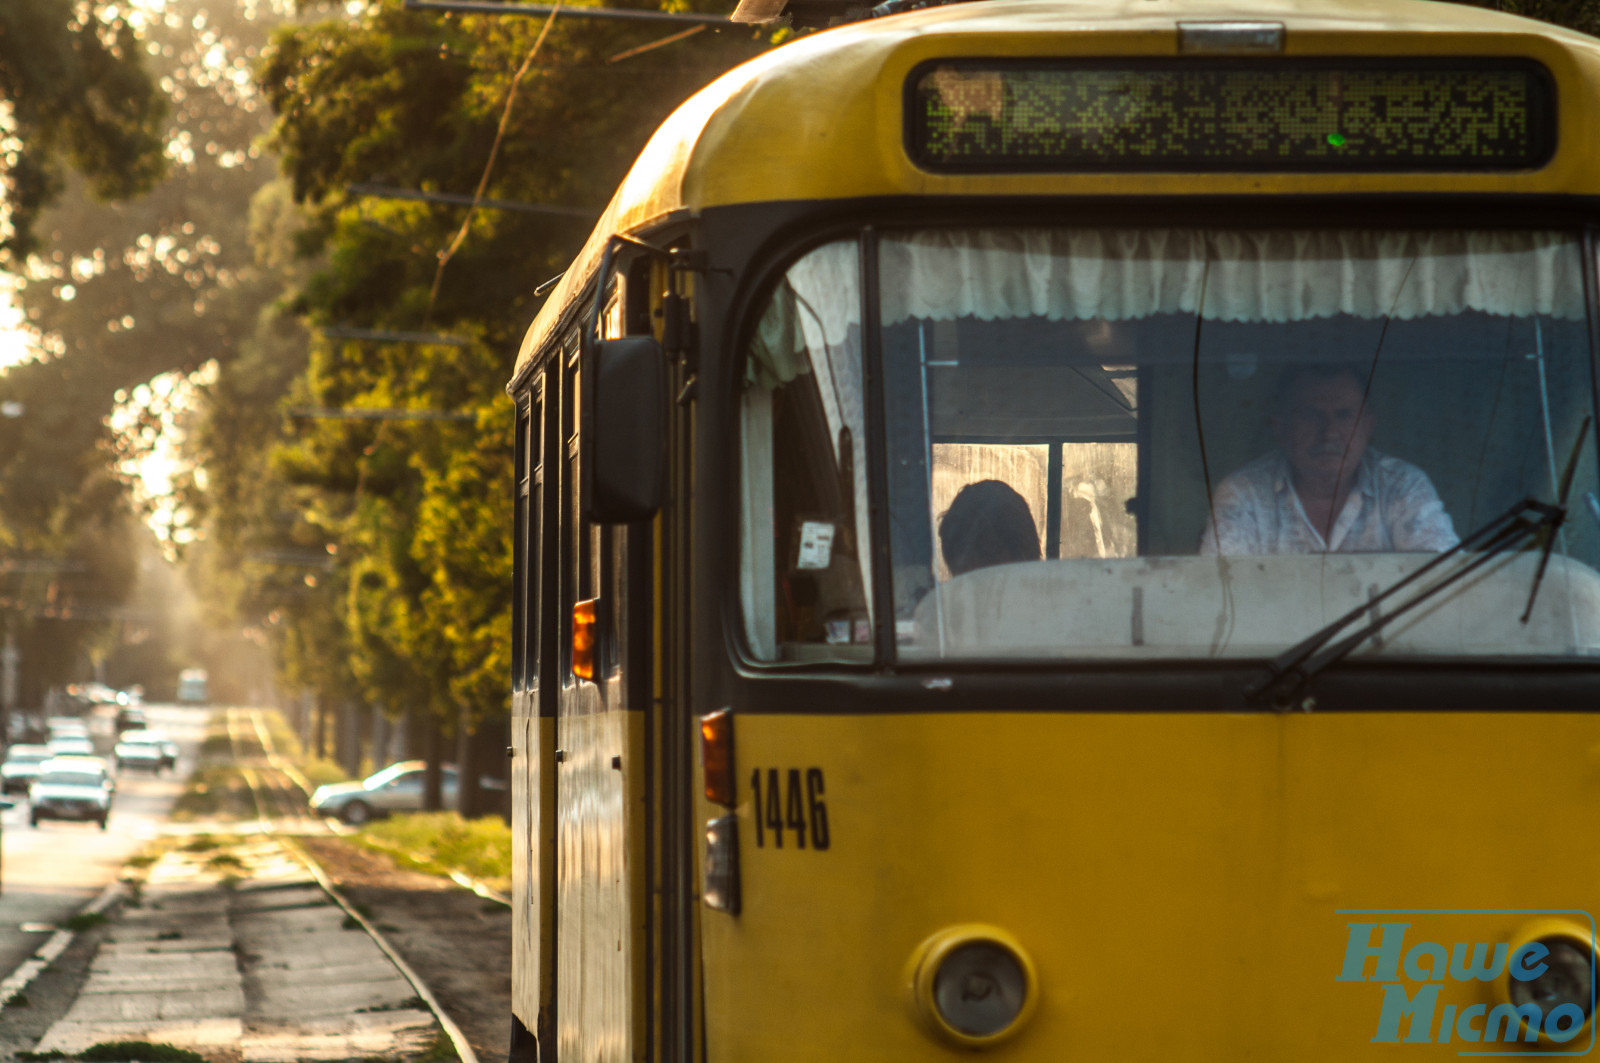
pixel 1066 530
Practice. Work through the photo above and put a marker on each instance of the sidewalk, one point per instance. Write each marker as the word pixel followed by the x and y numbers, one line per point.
pixel 238 954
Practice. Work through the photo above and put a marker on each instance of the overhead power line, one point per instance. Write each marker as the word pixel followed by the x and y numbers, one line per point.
pixel 488 7
pixel 385 192
pixel 358 413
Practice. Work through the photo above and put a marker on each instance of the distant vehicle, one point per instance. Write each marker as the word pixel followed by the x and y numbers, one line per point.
pixel 145 750
pixel 67 727
pixel 68 791
pixel 71 746
pixel 20 767
pixel 194 686
pixel 97 766
pixel 397 788
pixel 130 718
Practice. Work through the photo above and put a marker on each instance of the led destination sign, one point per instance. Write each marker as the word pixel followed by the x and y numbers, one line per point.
pixel 1061 116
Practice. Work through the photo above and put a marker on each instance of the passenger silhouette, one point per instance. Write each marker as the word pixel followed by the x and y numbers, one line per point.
pixel 988 523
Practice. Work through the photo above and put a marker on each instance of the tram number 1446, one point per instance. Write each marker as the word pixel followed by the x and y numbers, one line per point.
pixel 789 800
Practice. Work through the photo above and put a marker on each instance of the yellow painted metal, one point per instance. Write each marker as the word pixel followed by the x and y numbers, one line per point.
pixel 1183 883
pixel 820 119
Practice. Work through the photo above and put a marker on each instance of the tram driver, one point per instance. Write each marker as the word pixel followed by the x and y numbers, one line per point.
pixel 1324 490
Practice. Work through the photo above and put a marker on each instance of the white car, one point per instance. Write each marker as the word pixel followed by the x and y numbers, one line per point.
pixel 65 789
pixel 145 750
pixel 20 766
pixel 71 746
pixel 67 727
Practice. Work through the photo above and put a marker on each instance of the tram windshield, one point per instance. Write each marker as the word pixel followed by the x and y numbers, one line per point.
pixel 1167 443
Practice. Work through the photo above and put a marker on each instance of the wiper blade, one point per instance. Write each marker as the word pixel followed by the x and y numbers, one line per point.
pixel 1290 670
pixel 1549 533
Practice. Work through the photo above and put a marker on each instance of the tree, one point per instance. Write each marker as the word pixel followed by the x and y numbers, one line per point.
pixel 419 512
pixel 123 294
pixel 75 95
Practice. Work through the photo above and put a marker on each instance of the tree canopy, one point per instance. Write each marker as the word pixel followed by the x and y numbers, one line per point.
pixel 75 95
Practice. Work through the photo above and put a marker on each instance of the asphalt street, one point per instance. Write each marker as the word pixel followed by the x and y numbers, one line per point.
pixel 49 872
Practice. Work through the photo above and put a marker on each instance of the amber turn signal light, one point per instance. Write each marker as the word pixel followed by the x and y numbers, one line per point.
pixel 584 633
pixel 716 756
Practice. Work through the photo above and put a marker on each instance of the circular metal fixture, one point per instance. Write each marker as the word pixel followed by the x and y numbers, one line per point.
pixel 1552 967
pixel 973 985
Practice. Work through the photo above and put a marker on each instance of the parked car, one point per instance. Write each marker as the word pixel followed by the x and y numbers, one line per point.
pixel 66 790
pixel 397 788
pixel 71 746
pixel 17 771
pixel 146 750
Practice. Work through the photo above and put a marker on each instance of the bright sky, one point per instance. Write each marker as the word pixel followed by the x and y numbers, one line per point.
pixel 15 345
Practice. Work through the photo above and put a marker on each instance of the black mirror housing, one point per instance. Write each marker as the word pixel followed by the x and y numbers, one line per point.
pixel 624 432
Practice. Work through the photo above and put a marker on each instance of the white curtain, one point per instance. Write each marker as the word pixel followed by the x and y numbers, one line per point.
pixel 1267 276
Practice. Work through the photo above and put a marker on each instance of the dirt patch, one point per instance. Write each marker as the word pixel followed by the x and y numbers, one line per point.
pixel 456 941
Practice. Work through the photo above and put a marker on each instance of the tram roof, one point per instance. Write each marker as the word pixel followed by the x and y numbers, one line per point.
pixel 821 118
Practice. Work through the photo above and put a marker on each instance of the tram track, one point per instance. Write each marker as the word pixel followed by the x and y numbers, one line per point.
pixel 279 793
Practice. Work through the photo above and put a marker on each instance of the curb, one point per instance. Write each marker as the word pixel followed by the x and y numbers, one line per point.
pixel 35 965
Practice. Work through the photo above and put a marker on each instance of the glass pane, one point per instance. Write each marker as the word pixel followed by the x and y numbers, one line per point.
pixel 1098 482
pixel 1078 423
pixel 804 568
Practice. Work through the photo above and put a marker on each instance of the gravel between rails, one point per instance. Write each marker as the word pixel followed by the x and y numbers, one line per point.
pixel 458 943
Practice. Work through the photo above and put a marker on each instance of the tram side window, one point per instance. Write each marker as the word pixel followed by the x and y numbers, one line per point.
pixel 530 482
pixel 803 540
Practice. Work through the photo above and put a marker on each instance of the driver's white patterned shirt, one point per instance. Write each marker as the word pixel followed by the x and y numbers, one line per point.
pixel 1392 508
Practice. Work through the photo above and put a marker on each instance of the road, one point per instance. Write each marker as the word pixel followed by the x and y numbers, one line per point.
pixel 49 872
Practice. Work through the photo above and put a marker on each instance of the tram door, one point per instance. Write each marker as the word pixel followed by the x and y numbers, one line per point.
pixel 535 683
pixel 599 739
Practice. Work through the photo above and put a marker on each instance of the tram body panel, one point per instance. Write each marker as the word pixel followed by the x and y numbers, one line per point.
pixel 598 891
pixel 532 781
pixel 1179 880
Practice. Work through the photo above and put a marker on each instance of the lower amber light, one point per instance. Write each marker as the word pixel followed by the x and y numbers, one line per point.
pixel 973 985
pixel 584 634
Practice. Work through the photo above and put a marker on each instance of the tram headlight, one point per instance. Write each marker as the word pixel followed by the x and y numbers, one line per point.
pixel 1568 978
pixel 973 985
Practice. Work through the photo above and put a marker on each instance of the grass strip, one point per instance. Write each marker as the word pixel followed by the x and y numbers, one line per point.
pixel 442 842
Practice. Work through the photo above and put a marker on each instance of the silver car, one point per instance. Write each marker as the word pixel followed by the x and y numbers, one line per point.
pixel 20 766
pixel 397 788
pixel 64 790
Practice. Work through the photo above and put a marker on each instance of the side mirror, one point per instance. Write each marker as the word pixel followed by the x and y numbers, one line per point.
pixel 624 430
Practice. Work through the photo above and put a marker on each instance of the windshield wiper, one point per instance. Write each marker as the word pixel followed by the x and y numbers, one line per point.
pixel 1528 520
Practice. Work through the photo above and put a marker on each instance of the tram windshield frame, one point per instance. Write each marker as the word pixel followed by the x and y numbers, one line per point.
pixel 1131 391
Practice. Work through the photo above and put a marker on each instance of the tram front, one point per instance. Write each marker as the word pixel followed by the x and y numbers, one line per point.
pixel 1165 626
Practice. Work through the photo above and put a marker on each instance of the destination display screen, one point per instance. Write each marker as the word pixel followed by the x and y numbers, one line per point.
pixel 1064 116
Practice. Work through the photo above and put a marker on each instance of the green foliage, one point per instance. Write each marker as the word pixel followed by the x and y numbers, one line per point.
pixel 78 97
pixel 409 608
pixel 139 1052
pixel 82 921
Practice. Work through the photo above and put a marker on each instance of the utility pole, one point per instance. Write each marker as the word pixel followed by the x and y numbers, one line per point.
pixel 9 659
